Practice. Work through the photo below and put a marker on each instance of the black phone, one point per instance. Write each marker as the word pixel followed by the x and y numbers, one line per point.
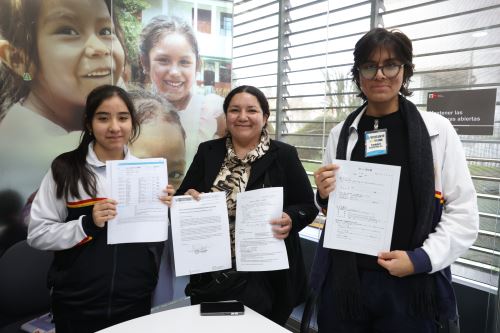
pixel 226 308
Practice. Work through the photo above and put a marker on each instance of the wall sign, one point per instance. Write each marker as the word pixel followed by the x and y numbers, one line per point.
pixel 471 112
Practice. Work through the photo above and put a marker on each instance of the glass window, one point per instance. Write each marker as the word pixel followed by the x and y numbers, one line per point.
pixel 226 23
pixel 456 45
pixel 204 21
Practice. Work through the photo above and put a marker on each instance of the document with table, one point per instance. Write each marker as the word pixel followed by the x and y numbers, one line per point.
pixel 361 209
pixel 200 233
pixel 256 247
pixel 136 185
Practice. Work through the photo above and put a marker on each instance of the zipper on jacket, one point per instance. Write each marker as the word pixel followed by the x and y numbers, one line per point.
pixel 112 287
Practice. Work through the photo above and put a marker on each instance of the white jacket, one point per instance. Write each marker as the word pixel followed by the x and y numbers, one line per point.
pixel 459 224
pixel 47 229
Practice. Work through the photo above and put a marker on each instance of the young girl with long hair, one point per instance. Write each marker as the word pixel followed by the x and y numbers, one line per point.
pixel 93 284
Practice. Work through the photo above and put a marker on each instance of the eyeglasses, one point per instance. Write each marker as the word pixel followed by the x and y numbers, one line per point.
pixel 390 71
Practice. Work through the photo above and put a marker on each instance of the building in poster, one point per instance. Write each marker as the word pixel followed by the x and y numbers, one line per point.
pixel 212 22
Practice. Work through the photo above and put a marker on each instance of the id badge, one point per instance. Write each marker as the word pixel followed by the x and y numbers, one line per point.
pixel 376 142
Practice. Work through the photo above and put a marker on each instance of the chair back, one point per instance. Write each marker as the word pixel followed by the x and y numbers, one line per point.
pixel 23 281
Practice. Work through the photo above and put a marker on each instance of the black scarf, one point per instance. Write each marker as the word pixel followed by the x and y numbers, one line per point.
pixel 343 266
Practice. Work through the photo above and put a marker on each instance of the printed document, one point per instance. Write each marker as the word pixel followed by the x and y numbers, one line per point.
pixel 136 185
pixel 200 233
pixel 256 247
pixel 361 209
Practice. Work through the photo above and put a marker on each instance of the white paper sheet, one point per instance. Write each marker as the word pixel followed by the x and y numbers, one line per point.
pixel 136 185
pixel 256 247
pixel 361 209
pixel 200 233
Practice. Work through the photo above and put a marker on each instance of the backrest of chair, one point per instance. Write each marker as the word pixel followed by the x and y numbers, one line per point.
pixel 23 280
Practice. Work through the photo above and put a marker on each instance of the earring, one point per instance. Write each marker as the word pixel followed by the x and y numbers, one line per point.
pixel 27 76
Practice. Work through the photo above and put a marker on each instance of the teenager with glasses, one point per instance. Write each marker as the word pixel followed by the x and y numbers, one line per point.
pixel 406 289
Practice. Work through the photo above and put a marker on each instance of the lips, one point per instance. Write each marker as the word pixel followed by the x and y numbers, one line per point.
pixel 173 84
pixel 98 73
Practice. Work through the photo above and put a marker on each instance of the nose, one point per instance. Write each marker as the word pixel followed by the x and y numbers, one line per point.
pixel 379 74
pixel 174 69
pixel 114 125
pixel 243 115
pixel 95 47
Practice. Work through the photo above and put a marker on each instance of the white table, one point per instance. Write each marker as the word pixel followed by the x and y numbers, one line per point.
pixel 189 320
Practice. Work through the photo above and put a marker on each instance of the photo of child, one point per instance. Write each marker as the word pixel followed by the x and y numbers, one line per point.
pixel 53 53
pixel 162 134
pixel 170 58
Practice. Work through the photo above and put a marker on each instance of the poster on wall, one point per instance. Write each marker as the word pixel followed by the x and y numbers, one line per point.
pixel 172 56
pixel 471 112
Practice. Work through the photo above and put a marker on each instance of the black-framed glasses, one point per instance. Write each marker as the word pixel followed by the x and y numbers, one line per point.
pixel 390 71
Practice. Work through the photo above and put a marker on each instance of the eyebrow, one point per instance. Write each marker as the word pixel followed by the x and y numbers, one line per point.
pixel 369 61
pixel 59 15
pixel 239 106
pixel 164 54
pixel 121 113
pixel 177 163
pixel 66 15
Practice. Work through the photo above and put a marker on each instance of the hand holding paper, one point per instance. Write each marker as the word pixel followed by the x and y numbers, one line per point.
pixel 167 199
pixel 104 211
pixel 398 263
pixel 282 226
pixel 325 179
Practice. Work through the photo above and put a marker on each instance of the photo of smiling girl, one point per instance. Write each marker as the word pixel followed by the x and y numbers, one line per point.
pixel 170 58
pixel 53 53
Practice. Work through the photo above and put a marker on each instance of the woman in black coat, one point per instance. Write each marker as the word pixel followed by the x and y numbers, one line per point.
pixel 247 159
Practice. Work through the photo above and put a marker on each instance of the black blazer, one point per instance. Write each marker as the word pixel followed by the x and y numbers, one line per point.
pixel 280 166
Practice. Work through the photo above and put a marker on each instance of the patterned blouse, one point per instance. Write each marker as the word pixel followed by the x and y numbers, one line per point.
pixel 234 174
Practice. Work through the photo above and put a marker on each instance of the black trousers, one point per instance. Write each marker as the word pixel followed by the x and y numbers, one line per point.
pixel 386 305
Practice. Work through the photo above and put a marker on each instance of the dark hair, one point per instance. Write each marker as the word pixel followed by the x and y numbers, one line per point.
pixel 70 168
pixel 148 112
pixel 261 98
pixel 156 28
pixel 18 25
pixel 393 40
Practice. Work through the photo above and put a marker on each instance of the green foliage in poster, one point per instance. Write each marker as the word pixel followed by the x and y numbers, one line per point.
pixel 129 15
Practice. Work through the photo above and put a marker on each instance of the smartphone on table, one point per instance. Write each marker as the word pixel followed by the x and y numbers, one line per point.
pixel 224 308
